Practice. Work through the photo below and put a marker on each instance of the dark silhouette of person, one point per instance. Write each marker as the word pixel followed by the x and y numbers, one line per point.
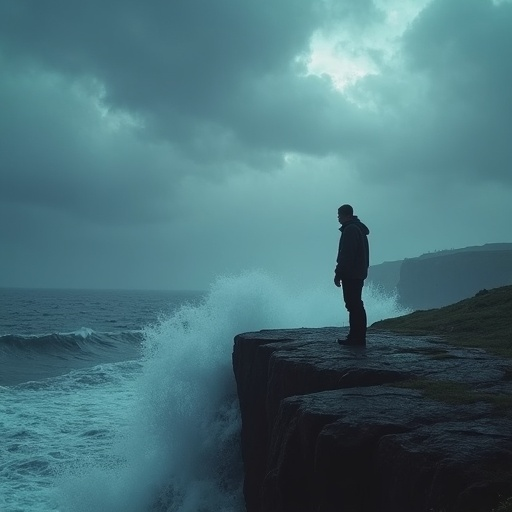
pixel 351 271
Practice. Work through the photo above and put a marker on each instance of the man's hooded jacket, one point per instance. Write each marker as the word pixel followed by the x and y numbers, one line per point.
pixel 353 252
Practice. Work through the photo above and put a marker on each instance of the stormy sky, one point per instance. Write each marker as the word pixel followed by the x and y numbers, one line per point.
pixel 159 144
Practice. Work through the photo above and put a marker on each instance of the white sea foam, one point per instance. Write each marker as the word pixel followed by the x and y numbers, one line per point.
pixel 180 452
pixel 57 423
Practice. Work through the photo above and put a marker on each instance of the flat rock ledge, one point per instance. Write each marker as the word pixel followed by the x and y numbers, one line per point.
pixel 336 429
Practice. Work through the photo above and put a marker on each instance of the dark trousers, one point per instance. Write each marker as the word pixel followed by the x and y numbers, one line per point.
pixel 352 290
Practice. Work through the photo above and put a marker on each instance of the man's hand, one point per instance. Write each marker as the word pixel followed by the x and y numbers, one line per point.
pixel 337 281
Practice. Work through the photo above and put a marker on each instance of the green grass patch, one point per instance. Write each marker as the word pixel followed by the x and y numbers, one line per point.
pixel 442 390
pixel 457 393
pixel 483 321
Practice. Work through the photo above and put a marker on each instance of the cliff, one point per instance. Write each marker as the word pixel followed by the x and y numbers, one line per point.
pixel 385 275
pixel 441 280
pixel 408 424
pixel 436 279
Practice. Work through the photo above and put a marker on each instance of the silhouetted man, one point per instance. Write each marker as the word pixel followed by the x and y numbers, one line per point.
pixel 351 271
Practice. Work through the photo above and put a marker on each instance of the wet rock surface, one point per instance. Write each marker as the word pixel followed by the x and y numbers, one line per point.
pixel 329 428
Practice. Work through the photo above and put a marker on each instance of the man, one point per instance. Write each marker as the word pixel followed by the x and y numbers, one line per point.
pixel 351 271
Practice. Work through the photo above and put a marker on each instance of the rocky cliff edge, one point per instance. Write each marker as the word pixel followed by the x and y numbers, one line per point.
pixel 407 424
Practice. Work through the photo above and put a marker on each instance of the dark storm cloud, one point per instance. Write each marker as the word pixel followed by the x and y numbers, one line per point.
pixel 205 73
pixel 55 152
pixel 192 67
pixel 458 125
pixel 186 58
pixel 211 86
pixel 471 75
pixel 284 113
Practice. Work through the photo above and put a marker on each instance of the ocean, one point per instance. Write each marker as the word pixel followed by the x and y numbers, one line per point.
pixel 125 401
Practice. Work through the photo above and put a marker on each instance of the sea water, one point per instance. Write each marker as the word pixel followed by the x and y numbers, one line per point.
pixel 126 401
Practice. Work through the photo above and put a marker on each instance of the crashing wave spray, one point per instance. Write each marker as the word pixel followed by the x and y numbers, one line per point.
pixel 181 453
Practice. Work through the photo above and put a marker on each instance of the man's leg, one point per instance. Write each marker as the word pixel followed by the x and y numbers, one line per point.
pixel 352 291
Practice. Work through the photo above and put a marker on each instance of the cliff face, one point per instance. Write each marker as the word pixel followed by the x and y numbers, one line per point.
pixel 437 281
pixel 328 428
pixel 385 275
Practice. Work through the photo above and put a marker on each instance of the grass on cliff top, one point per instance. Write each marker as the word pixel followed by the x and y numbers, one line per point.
pixel 458 393
pixel 483 321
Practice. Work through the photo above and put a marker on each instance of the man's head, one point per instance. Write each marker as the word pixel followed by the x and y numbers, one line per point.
pixel 345 213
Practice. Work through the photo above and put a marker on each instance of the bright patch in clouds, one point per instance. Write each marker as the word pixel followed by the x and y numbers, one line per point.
pixel 341 64
pixel 349 52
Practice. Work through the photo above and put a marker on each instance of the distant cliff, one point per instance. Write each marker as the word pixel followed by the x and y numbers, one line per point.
pixel 434 282
pixel 437 279
pixel 385 276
